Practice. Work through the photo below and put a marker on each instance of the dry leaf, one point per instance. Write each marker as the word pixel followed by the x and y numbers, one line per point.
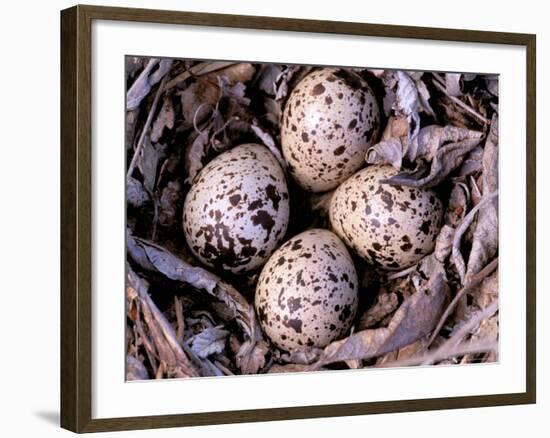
pixel 198 101
pixel 487 330
pixel 209 341
pixel 492 84
pixel 267 78
pixel 136 195
pixel 267 140
pixel 223 104
pixel 443 243
pixel 424 97
pixel 169 201
pixel 273 111
pixel 149 161
pixel 290 368
pixel 393 143
pixel 153 257
pixel 415 349
pixel 232 91
pixel 406 96
pixel 302 355
pixel 199 69
pixel 485 240
pixel 457 258
pixel 194 155
pixel 145 81
pixel 458 204
pixel 388 151
pixel 131 123
pixel 452 84
pixel 415 318
pixel 205 366
pixel 487 292
pixel 251 359
pixel 472 162
pixel 386 303
pixel 133 64
pixel 165 119
pixel 234 74
pixel 406 102
pixel 288 79
pixel 443 147
pixel 163 336
pixel 135 370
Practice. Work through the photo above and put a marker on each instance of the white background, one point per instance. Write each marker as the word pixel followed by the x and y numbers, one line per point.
pixel 29 184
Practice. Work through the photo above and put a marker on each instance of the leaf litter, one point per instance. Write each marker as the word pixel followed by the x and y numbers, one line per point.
pixel 183 320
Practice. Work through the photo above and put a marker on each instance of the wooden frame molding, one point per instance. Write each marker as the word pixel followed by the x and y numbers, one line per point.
pixel 76 244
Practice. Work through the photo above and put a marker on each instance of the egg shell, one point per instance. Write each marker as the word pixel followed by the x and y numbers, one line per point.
pixel 306 294
pixel 236 212
pixel 391 227
pixel 329 121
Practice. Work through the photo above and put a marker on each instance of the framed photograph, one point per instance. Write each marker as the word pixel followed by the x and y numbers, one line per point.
pixel 268 219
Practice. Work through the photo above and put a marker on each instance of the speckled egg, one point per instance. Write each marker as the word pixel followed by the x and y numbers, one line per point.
pixel 391 227
pixel 236 212
pixel 329 121
pixel 306 294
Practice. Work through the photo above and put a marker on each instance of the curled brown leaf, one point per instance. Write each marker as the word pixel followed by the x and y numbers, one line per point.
pixel 443 147
pixel 415 319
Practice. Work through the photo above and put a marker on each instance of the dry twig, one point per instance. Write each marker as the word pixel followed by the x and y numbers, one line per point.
pixel 461 104
pixel 162 332
pixel 139 146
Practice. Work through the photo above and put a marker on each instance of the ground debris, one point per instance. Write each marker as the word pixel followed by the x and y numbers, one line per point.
pixel 439 131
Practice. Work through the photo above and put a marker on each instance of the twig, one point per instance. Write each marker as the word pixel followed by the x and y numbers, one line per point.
pixel 476 280
pixel 206 368
pixel 461 104
pixel 195 126
pixel 322 202
pixel 179 316
pixel 161 370
pixel 198 70
pixel 142 81
pixel 150 349
pixel 442 354
pixel 400 274
pixel 155 200
pixel 475 187
pixel 439 78
pixel 164 351
pixel 139 146
pixel 136 342
pixel 223 368
pixel 163 332
pixel 466 191
pixel 223 128
pixel 451 344
pixel 470 324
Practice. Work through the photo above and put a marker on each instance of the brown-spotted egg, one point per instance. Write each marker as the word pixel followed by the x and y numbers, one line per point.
pixel 391 227
pixel 236 212
pixel 306 294
pixel 329 121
